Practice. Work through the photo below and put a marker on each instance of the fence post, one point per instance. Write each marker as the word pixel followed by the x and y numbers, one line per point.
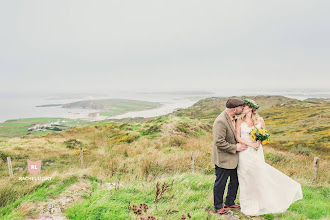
pixel 81 158
pixel 316 168
pixel 192 162
pixel 10 167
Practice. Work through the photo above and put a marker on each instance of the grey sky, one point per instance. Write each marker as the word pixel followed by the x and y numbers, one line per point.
pixel 78 45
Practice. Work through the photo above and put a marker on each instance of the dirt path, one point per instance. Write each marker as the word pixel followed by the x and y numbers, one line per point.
pixel 55 208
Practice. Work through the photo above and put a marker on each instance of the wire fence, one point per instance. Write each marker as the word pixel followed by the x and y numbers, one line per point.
pixel 79 160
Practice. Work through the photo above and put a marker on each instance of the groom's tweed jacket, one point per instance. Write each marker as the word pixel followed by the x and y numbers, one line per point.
pixel 224 153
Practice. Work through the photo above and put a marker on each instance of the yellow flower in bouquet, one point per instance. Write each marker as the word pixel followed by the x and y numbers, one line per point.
pixel 253 132
pixel 265 142
pixel 260 135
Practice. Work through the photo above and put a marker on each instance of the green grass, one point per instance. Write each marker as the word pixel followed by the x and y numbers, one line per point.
pixel 186 193
pixel 6 124
pixel 113 112
pixel 190 193
pixel 19 127
pixel 41 192
pixel 121 109
pixel 201 133
pixel 314 205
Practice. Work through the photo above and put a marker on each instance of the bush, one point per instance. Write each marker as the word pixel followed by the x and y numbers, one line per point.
pixel 277 132
pixel 183 127
pixel 177 141
pixel 4 156
pixel 300 150
pixel 127 139
pixel 85 152
pixel 152 129
pixel 274 158
pixel 72 143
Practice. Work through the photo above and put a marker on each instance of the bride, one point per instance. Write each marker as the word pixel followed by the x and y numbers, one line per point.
pixel 263 189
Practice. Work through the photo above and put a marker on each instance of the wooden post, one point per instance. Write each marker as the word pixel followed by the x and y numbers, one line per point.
pixel 192 162
pixel 81 158
pixel 315 169
pixel 10 167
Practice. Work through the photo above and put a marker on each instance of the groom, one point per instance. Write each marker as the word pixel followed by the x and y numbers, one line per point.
pixel 225 155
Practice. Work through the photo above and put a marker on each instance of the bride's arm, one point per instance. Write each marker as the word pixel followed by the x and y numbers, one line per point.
pixel 238 135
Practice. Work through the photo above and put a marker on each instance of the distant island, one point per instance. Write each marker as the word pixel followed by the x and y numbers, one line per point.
pixel 111 107
pixel 49 105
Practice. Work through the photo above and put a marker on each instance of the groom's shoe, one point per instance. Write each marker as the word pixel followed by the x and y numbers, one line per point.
pixel 238 207
pixel 221 211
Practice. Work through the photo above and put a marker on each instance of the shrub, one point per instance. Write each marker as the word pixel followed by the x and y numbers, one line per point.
pixel 277 132
pixel 152 129
pixel 120 137
pixel 85 152
pixel 183 127
pixel 274 158
pixel 127 139
pixel 4 156
pixel 72 143
pixel 177 141
pixel 300 150
pixel 323 128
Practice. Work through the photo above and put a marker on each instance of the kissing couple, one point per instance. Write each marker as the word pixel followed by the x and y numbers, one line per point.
pixel 263 189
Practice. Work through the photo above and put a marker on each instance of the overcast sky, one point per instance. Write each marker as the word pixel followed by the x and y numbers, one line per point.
pixel 78 45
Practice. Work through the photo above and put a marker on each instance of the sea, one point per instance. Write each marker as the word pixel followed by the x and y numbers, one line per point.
pixel 17 105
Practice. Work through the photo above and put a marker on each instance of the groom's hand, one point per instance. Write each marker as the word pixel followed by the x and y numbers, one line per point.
pixel 241 147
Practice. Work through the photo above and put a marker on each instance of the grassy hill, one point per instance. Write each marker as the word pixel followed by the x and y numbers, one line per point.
pixel 302 126
pixel 124 161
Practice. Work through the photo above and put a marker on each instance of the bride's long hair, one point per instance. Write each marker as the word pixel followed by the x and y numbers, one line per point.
pixel 255 116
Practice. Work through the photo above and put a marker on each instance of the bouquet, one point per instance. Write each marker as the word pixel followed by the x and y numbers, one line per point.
pixel 260 135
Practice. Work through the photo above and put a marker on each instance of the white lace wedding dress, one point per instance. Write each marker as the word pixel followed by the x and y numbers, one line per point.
pixel 263 189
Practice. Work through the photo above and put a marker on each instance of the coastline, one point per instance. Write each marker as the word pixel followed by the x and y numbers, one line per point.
pixel 18 108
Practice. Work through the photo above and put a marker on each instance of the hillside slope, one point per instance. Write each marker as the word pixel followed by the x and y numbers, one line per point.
pixel 140 154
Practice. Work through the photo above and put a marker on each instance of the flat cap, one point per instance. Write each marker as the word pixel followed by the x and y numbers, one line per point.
pixel 233 103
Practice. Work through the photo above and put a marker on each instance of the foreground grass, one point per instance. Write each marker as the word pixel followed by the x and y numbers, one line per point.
pixel 40 192
pixel 187 193
pixel 314 205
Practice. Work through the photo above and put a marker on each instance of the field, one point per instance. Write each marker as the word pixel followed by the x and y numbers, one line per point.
pixel 19 127
pixel 124 162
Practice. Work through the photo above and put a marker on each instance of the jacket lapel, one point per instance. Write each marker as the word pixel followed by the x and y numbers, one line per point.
pixel 230 124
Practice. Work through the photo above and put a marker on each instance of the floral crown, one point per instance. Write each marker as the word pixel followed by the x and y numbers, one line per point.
pixel 251 104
